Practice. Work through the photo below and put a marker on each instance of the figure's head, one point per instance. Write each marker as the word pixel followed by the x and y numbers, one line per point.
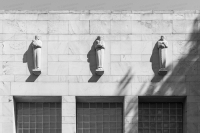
pixel 37 37
pixel 99 38
pixel 162 37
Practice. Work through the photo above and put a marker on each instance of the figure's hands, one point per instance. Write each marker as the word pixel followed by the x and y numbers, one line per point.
pixel 34 44
pixel 162 45
pixel 99 43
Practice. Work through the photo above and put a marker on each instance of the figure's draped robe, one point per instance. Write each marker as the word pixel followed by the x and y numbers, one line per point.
pixel 162 55
pixel 37 55
pixel 100 57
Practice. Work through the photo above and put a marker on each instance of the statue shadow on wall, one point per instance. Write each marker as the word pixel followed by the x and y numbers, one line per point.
pixel 28 58
pixel 155 64
pixel 91 58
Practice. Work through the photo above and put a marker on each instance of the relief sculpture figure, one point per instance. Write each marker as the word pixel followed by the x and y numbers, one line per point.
pixel 37 49
pixel 100 49
pixel 162 46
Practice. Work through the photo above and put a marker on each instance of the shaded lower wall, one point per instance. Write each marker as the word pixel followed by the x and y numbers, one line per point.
pixel 68 60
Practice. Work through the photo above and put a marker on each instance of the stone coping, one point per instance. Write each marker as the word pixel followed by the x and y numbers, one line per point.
pixel 100 11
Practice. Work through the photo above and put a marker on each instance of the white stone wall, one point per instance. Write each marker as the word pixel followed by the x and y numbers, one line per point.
pixel 131 60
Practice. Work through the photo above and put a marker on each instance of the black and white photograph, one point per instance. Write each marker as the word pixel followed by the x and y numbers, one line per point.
pixel 106 66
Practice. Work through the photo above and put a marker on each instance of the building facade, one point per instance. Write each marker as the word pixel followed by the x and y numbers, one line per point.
pixel 130 96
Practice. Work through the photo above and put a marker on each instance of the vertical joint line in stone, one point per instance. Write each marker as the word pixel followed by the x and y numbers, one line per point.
pixel 47 43
pixel 68 28
pixel 2 32
pixel 89 27
pixel 68 76
pixel 26 28
pixel 110 27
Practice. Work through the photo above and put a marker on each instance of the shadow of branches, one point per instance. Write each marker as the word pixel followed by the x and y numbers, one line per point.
pixel 181 78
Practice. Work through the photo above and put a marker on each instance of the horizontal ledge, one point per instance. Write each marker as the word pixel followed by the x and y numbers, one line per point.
pixel 99 11
pixel 99 99
pixel 161 98
pixel 37 98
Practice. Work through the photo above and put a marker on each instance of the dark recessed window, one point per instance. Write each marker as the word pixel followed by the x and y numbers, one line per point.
pixel 99 117
pixel 38 117
pixel 160 117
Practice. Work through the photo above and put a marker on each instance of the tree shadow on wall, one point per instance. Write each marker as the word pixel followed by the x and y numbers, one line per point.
pixel 28 58
pixel 92 62
pixel 125 80
pixel 182 79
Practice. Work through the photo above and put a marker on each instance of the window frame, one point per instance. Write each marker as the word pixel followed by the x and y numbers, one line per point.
pixel 101 99
pixel 170 99
pixel 35 99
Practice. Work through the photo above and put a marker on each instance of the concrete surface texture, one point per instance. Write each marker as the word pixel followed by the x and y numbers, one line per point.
pixel 131 60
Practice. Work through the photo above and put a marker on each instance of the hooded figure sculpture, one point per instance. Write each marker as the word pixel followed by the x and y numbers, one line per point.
pixel 37 49
pixel 162 46
pixel 100 48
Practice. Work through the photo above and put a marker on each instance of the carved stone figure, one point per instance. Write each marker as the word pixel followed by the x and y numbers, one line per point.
pixel 100 48
pixel 162 46
pixel 37 49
